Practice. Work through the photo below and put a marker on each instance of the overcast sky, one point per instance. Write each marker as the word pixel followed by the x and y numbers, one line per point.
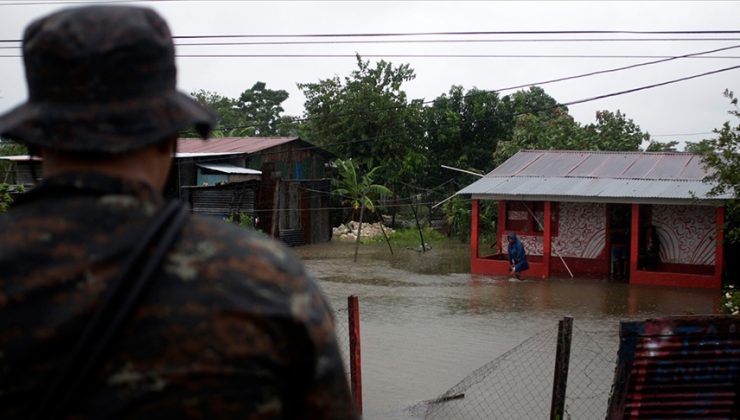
pixel 694 106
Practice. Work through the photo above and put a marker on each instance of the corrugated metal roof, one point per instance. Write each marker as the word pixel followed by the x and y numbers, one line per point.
pixel 632 165
pixel 197 155
pixel 230 169
pixel 231 144
pixel 597 176
pixel 20 158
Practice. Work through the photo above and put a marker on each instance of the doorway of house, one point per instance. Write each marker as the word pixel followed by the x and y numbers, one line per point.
pixel 619 218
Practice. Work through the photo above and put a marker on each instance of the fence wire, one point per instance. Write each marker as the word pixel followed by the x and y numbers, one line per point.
pixel 593 360
pixel 341 330
pixel 518 384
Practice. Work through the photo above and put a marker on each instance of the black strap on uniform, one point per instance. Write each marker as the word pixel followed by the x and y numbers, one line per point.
pixel 121 297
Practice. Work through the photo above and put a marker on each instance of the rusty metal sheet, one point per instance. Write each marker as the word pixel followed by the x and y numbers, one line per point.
pixel 231 144
pixel 678 367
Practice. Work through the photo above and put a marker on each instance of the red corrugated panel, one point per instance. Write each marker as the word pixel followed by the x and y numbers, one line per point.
pixel 678 367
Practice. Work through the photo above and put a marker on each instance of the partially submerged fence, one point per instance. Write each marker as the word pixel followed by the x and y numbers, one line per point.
pixel 518 384
pixel 521 384
pixel 687 365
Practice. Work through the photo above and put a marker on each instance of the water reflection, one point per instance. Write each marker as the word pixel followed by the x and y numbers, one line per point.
pixel 427 322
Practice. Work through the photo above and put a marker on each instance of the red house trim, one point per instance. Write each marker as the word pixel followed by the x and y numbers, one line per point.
pixel 718 257
pixel 547 239
pixel 634 240
pixel 544 266
pixel 474 230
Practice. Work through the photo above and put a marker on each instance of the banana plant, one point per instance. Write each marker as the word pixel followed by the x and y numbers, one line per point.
pixel 357 190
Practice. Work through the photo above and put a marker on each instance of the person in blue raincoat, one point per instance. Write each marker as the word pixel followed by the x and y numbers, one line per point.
pixel 517 256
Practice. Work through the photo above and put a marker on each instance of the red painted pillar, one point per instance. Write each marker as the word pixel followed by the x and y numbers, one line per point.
pixel 634 240
pixel 355 359
pixel 501 225
pixel 718 256
pixel 547 238
pixel 474 230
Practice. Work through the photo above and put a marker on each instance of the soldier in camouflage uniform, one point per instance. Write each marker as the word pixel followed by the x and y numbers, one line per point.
pixel 230 325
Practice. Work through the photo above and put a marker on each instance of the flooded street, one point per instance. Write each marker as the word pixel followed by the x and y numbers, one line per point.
pixel 427 323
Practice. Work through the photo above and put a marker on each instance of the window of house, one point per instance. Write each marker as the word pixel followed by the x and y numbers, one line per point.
pixel 529 217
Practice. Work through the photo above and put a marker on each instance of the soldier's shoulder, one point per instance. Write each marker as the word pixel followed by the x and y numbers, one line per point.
pixel 216 246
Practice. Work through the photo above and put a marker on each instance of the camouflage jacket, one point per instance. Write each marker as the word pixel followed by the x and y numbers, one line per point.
pixel 230 325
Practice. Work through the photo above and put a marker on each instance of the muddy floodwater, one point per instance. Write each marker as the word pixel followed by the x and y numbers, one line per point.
pixel 427 323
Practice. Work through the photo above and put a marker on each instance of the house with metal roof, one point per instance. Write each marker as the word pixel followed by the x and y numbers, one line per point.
pixel 646 218
pixel 290 201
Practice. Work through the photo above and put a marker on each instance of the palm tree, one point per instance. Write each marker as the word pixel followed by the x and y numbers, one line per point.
pixel 357 191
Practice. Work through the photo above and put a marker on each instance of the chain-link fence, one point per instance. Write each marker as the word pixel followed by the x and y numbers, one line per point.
pixel 593 360
pixel 519 383
pixel 341 328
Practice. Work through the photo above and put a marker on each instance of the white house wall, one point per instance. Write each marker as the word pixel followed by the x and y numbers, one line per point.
pixel 581 232
pixel 687 234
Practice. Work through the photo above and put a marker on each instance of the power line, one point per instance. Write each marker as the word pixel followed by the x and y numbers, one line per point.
pixel 560 105
pixel 421 34
pixel 462 33
pixel 430 41
pixel 612 70
pixel 394 55
pixel 515 56
pixel 654 85
pixel 451 41
pixel 703 133
pixel 539 83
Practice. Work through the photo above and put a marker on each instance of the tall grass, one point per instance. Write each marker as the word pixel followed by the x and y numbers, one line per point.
pixel 409 237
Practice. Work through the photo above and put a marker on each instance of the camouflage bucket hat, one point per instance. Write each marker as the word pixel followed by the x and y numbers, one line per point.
pixel 101 79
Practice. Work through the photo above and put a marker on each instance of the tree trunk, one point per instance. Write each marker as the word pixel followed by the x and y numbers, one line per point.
pixel 359 228
pixel 382 229
pixel 418 226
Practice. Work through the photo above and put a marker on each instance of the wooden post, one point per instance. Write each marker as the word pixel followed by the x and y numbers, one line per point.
pixel 634 241
pixel 474 230
pixel 562 360
pixel 718 256
pixel 355 359
pixel 547 239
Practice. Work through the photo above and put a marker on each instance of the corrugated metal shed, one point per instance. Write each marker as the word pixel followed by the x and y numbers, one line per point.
pixel 222 200
pixel 597 177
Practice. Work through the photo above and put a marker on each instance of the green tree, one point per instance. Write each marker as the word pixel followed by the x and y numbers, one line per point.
pixel 721 155
pixel 656 146
pixel 359 191
pixel 225 108
pixel 8 148
pixel 559 131
pixel 5 198
pixel 462 130
pixel 366 116
pixel 257 112
pixel 262 108
pixel 613 131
